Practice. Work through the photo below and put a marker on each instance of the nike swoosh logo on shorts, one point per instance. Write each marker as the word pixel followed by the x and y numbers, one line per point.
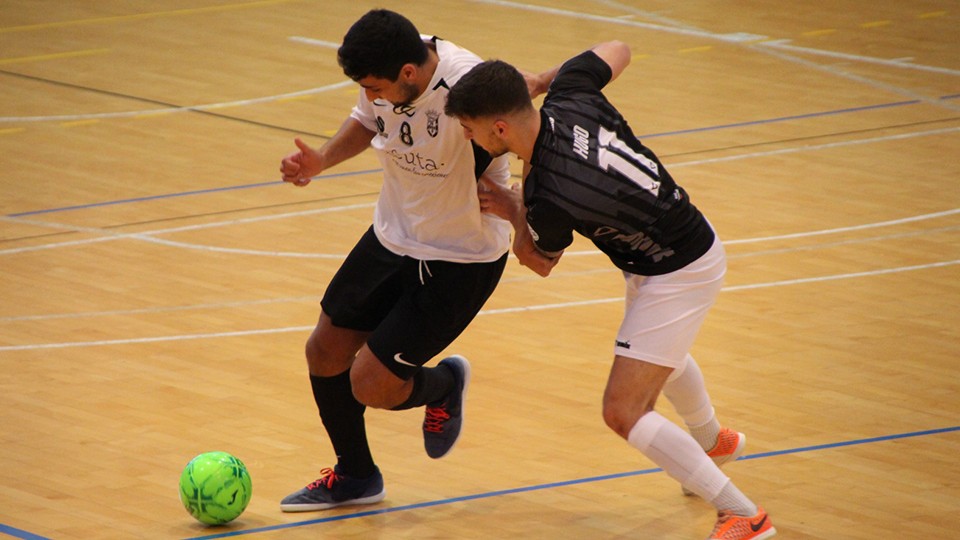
pixel 397 359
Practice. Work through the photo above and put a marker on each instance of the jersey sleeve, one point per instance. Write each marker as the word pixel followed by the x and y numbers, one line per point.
pixel 550 226
pixel 363 113
pixel 586 70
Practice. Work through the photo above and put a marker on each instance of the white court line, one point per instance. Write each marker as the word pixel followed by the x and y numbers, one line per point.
pixel 147 236
pixel 751 41
pixel 782 44
pixel 683 29
pixel 502 311
pixel 810 234
pixel 160 309
pixel 737 37
pixel 317 42
pixel 526 278
pixel 150 112
pixel 824 146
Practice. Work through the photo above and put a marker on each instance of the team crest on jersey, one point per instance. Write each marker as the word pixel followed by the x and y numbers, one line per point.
pixel 433 123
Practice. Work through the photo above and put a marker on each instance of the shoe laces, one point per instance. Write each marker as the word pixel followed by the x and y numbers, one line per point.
pixel 435 418
pixel 727 442
pixel 731 526
pixel 328 477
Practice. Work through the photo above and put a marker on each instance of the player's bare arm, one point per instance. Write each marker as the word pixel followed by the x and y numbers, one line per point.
pixel 530 255
pixel 615 53
pixel 300 167
pixel 507 203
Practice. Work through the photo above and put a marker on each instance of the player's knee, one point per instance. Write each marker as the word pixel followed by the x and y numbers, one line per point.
pixel 622 415
pixel 373 385
pixel 317 356
pixel 323 359
pixel 614 418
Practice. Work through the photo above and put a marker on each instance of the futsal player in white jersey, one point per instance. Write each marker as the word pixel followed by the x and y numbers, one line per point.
pixel 423 270
pixel 586 172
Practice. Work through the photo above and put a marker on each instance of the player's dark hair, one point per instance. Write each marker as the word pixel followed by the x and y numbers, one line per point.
pixel 379 44
pixel 491 88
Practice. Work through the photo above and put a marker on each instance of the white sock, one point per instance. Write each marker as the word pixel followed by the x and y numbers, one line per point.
pixel 686 391
pixel 678 454
pixel 733 501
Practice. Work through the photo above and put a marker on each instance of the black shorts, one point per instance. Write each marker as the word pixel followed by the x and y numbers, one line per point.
pixel 413 308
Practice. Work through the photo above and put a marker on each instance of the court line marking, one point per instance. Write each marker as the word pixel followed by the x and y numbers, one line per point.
pixel 148 236
pixel 312 41
pixel 314 299
pixel 528 277
pixel 20 533
pixel 784 44
pixel 162 309
pixel 567 483
pixel 140 16
pixel 184 194
pixel 752 42
pixel 52 56
pixel 502 311
pixel 872 83
pixel 644 136
pixel 170 110
pixel 737 37
pixel 25 535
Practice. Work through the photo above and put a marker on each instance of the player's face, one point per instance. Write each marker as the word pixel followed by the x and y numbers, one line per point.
pixel 483 132
pixel 396 92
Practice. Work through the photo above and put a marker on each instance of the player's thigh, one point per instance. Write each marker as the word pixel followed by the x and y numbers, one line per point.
pixel 664 313
pixel 366 286
pixel 331 349
pixel 440 301
pixel 632 390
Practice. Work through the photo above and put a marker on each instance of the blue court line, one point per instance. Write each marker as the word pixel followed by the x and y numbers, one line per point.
pixel 182 194
pixel 565 483
pixel 17 533
pixel 647 136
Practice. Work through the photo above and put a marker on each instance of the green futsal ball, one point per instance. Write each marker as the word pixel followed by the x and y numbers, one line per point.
pixel 215 487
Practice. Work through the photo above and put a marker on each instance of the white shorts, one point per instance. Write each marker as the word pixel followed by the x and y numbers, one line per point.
pixel 664 313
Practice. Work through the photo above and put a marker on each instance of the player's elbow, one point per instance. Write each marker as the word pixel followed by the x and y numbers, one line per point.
pixel 543 270
pixel 616 54
pixel 621 48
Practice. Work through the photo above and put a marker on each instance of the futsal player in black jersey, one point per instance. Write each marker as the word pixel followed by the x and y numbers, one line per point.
pixel 586 172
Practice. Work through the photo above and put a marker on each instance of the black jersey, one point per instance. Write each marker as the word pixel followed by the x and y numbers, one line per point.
pixel 590 174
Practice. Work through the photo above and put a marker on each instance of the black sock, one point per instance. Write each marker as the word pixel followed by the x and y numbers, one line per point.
pixel 342 416
pixel 429 385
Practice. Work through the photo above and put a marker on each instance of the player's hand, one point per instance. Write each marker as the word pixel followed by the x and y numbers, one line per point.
pixel 501 201
pixel 299 167
pixel 539 83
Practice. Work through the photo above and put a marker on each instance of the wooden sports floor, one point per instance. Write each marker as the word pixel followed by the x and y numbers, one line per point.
pixel 158 280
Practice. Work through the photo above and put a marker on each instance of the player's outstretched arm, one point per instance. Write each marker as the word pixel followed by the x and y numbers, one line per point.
pixel 615 53
pixel 300 166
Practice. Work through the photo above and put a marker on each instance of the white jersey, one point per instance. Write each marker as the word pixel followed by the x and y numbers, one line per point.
pixel 428 207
